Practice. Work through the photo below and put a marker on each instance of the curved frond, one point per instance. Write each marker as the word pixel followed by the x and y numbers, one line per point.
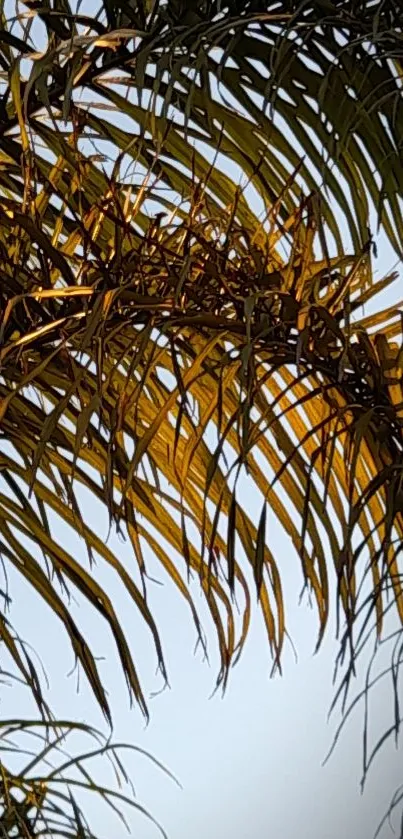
pixel 159 338
pixel 274 87
pixel 44 798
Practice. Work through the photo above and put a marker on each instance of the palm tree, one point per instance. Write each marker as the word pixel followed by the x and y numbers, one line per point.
pixel 161 335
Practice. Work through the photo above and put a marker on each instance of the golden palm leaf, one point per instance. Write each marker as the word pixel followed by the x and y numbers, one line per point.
pixel 170 355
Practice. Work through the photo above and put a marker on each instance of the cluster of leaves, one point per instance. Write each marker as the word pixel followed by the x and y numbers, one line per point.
pixel 159 337
pixel 329 73
pixel 41 799
pixel 236 329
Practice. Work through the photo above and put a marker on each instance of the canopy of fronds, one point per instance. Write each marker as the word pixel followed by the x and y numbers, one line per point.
pixel 159 334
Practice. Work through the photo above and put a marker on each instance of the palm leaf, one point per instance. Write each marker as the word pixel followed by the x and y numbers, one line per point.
pixel 331 75
pixel 43 797
pixel 81 390
pixel 125 340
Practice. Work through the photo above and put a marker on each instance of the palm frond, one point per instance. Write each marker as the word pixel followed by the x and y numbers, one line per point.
pixel 274 86
pixel 44 796
pixel 85 392
pixel 154 360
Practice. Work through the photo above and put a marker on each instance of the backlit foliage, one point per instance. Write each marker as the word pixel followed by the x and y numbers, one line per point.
pixel 180 306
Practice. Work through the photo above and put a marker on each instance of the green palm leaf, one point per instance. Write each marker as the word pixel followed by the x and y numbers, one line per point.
pixel 43 798
pixel 330 75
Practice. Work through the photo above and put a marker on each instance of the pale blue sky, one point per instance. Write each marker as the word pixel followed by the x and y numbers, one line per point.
pixel 249 764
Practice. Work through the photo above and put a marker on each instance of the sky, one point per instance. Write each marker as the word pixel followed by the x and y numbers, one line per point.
pixel 249 763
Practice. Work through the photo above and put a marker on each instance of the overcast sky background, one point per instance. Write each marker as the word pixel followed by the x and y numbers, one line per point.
pixel 250 763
